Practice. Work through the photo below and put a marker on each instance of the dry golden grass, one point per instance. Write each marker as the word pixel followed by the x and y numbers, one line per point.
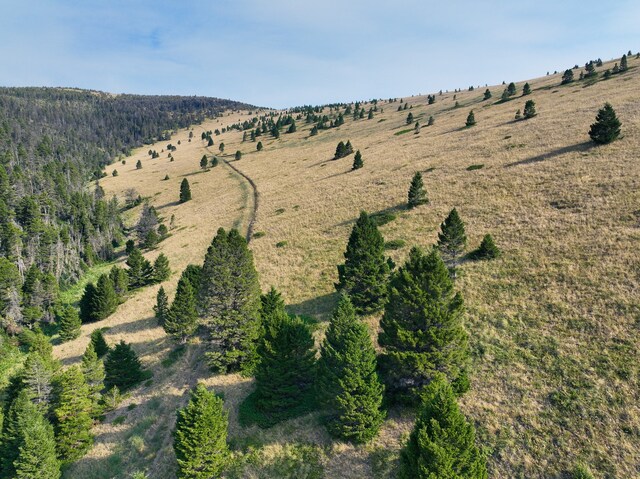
pixel 553 322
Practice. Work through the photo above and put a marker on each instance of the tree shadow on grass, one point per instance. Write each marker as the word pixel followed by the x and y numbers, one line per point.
pixel 387 213
pixel 319 307
pixel 167 205
pixel 578 147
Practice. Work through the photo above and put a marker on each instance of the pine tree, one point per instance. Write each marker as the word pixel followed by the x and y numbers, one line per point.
pixel 567 77
pixel 607 126
pixel 73 410
pixel 340 151
pixel 314 131
pixel 200 437
pixel 422 330
pixel 161 309
pixel 193 274
pixel 181 320
pixel 87 303
pixel 409 118
pixel 229 302
pixel 204 162
pixel 431 121
pixel 37 375
pixel 471 119
pixel 348 382
pixel 526 90
pixel 120 280
pixel 487 249
pixel 69 322
pixel 417 195
pixel 529 109
pixel 511 89
pixel 365 271
pixel 357 161
pixel 623 64
pixel 93 371
pixel 452 238
pixel 292 127
pixel 122 367
pixel 29 450
pixel 270 302
pixel 238 155
pixel 140 269
pixel 161 270
pixel 348 149
pixel 106 299
pixel 285 371
pixel 259 146
pixel 442 443
pixel 487 94
pixel 185 191
pixel 139 165
pixel 99 344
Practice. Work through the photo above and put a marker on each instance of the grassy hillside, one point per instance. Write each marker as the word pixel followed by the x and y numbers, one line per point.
pixel 553 322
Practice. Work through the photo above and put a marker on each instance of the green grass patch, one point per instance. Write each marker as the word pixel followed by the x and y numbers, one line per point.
pixel 394 244
pixel 381 120
pixel 402 132
pixel 382 218
pixel 291 461
pixel 281 244
pixel 73 293
pixel 119 420
pixel 259 234
pixel 279 211
pixel 475 167
pixel 173 356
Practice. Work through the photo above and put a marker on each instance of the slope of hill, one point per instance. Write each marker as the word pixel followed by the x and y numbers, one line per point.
pixel 553 322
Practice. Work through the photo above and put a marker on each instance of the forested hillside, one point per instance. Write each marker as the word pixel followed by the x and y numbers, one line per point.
pixel 52 141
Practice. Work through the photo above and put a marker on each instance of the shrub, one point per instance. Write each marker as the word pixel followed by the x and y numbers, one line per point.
pixel 607 126
pixel 394 244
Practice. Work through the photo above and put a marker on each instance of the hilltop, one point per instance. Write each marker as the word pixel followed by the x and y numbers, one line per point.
pixel 553 322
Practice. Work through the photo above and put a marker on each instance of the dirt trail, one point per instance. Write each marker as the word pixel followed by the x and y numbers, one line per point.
pixel 256 198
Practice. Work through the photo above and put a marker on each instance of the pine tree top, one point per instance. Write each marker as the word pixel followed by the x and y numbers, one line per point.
pixel 452 238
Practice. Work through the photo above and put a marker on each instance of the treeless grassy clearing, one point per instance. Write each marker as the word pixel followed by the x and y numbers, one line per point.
pixel 553 322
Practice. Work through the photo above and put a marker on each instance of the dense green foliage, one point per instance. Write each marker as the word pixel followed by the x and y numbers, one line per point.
pixel 422 331
pixel 452 238
pixel 365 271
pixel 122 367
pixel 69 322
pixel 357 161
pixel 442 443
pixel 607 126
pixel 228 302
pixel 200 437
pixel 285 370
pixel 181 320
pixel 73 409
pixel 185 191
pixel 348 383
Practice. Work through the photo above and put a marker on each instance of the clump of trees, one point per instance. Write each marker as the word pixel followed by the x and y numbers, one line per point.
pixel 342 150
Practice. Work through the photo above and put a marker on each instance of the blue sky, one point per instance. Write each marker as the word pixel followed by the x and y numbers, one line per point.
pixel 283 53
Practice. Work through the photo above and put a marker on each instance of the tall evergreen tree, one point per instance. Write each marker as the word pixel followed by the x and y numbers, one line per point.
pixel 623 64
pixel 105 301
pixel 161 269
pixel 37 377
pixel 120 280
pixel 417 195
pixel 99 344
pixel 193 273
pixel 567 77
pixel 422 330
pixel 32 453
pixel 365 271
pixel 340 151
pixel 204 162
pixel 285 371
pixel 185 190
pixel 122 367
pixel 452 238
pixel 487 249
pixel 259 146
pixel 73 410
pixel 69 322
pixel 357 161
pixel 526 90
pixel 140 269
pixel 442 443
pixel 348 382
pixel 607 126
pixel 93 372
pixel 200 437
pixel 12 435
pixel 181 320
pixel 511 89
pixel 229 302
pixel 487 94
pixel 87 303
pixel 161 309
